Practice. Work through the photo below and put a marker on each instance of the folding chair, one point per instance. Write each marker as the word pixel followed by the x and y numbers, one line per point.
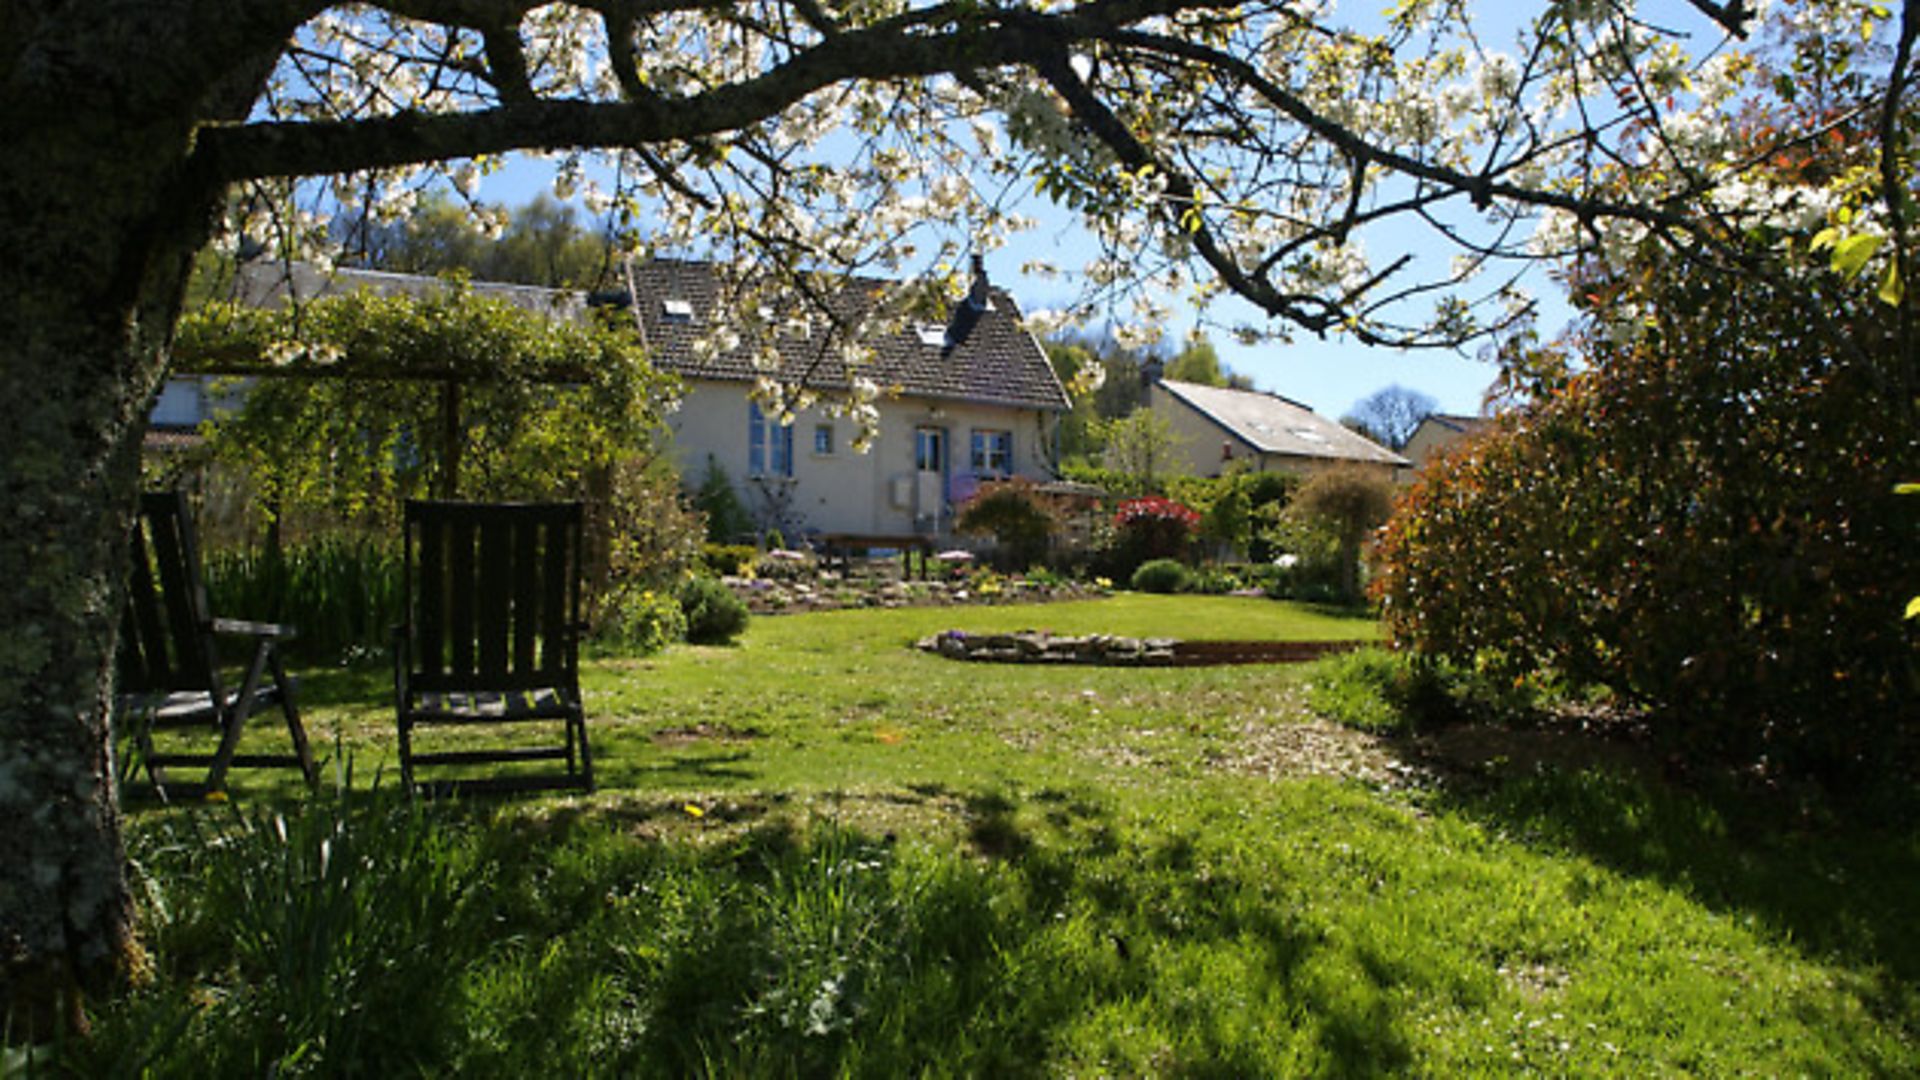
pixel 170 672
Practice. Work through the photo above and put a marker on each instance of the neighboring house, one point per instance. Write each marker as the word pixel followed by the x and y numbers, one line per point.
pixel 1216 428
pixel 966 399
pixel 1438 433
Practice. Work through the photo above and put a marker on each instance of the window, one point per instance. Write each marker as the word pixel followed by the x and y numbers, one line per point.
pixel 769 445
pixel 992 453
pixel 677 310
pixel 823 440
pixel 930 449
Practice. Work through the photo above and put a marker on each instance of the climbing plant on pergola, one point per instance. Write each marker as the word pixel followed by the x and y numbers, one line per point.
pixel 359 400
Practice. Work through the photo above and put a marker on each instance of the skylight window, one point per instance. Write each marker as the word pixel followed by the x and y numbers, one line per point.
pixel 1309 434
pixel 930 334
pixel 678 311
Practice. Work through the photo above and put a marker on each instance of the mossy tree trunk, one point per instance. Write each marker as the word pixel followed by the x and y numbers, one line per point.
pixel 99 220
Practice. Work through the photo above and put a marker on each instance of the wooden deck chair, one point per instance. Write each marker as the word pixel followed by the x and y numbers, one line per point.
pixel 491 642
pixel 169 668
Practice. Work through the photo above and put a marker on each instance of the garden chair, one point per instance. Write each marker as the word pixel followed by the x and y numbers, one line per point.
pixel 169 667
pixel 490 641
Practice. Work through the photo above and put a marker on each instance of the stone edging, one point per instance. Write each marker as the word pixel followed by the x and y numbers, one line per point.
pixel 1034 647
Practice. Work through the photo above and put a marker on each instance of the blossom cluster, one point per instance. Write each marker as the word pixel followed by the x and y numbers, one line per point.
pixel 1155 510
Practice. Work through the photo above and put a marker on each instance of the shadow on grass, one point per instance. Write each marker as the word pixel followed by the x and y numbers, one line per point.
pixel 1832 889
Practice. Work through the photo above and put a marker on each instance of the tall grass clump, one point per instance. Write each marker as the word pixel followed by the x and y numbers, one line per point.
pixel 341 592
pixel 326 939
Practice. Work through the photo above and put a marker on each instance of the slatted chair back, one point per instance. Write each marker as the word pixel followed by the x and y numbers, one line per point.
pixel 492 593
pixel 166 636
pixel 491 639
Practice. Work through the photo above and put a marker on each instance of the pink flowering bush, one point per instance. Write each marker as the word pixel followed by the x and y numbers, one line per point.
pixel 1152 527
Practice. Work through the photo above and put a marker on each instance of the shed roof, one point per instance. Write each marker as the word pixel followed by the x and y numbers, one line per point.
pixel 1272 424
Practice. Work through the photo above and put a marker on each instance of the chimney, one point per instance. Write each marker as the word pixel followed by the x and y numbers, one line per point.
pixel 978 293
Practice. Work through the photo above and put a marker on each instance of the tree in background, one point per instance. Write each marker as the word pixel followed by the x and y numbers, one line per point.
pixel 1142 448
pixel 1199 362
pixel 1349 503
pixel 542 245
pixel 1390 416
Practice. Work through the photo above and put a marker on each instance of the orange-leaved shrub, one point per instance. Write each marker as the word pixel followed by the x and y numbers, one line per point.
pixel 1702 519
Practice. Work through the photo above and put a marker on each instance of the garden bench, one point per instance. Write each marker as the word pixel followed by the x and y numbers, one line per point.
pixel 490 642
pixel 169 668
pixel 842 546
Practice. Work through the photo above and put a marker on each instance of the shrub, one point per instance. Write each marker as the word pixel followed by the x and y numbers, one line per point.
pixel 1348 503
pixel 642 621
pixel 1160 576
pixel 781 564
pixel 728 560
pixel 1012 513
pixel 714 615
pixel 1703 521
pixel 1151 528
pixel 727 517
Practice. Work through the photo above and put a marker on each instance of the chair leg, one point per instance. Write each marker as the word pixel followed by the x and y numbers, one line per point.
pixel 579 718
pixel 296 731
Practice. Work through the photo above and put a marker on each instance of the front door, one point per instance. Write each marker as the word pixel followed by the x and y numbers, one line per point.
pixel 930 478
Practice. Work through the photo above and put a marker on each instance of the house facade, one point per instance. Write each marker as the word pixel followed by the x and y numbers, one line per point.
pixel 1217 429
pixel 1438 433
pixel 967 397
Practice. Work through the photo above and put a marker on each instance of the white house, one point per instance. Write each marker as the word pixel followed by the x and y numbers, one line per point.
pixel 966 398
pixel 1217 428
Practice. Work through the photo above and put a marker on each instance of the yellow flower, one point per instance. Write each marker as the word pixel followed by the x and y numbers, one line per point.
pixel 694 811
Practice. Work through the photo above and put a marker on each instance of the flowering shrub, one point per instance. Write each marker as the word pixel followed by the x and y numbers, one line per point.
pixel 1152 527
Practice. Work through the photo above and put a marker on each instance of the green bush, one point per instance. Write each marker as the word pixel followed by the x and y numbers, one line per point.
pixel 714 615
pixel 1161 576
pixel 642 621
pixel 728 560
pixel 727 518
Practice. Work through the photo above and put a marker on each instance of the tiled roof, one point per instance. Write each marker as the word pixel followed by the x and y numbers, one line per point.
pixel 977 356
pixel 1272 424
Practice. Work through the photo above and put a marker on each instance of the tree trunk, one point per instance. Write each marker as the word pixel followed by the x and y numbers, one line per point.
pixel 99 227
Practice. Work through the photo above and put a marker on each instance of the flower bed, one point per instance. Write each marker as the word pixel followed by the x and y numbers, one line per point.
pixel 829 592
pixel 1034 647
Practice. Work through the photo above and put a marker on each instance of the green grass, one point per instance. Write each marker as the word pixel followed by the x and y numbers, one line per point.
pixel 819 852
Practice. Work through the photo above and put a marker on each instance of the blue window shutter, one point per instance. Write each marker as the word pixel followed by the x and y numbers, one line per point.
pixel 756 440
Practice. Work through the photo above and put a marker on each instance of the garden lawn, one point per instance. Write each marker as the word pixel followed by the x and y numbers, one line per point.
pixel 822 852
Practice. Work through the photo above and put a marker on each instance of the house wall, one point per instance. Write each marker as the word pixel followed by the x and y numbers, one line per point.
pixel 1431 438
pixel 1197 440
pixel 846 491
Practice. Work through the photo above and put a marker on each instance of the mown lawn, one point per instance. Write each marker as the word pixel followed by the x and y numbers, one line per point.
pixel 819 852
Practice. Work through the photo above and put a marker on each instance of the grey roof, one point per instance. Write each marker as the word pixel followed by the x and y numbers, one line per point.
pixel 1462 425
pixel 266 283
pixel 975 356
pixel 1272 424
